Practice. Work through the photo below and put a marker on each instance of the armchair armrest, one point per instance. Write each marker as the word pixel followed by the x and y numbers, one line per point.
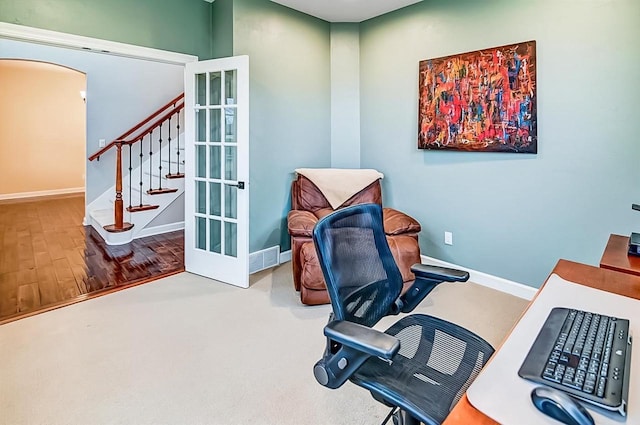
pixel 301 223
pixel 362 338
pixel 398 223
pixel 349 345
pixel 427 277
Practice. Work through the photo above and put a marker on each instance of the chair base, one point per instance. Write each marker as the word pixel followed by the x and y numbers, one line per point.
pixel 400 417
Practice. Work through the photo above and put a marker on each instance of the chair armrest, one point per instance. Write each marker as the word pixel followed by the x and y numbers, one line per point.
pixel 301 223
pixel 442 274
pixel 427 278
pixel 398 223
pixel 349 345
pixel 362 338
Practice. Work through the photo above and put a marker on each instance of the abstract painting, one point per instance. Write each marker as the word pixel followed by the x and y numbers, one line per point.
pixel 482 101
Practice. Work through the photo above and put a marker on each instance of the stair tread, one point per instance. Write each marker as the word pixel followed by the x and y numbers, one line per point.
pixel 144 207
pixel 161 191
pixel 175 176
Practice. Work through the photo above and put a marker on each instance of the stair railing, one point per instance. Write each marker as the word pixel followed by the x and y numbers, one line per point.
pixel 136 135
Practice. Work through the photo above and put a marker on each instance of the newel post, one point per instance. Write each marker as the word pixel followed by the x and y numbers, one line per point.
pixel 120 225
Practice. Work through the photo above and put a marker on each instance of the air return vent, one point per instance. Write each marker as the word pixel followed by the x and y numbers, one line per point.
pixel 264 259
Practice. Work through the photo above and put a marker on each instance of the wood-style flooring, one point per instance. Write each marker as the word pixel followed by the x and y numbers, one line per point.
pixel 48 259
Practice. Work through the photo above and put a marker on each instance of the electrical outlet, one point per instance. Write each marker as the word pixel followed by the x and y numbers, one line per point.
pixel 102 143
pixel 448 238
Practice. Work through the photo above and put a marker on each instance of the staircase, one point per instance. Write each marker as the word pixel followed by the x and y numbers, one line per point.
pixel 152 154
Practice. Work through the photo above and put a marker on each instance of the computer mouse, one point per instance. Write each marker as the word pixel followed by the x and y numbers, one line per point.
pixel 560 406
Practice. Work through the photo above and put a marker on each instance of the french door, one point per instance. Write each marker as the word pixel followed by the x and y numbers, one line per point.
pixel 217 169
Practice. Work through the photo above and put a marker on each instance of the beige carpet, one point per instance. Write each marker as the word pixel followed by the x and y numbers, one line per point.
pixel 187 350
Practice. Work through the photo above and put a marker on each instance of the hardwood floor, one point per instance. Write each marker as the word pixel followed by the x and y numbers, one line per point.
pixel 48 259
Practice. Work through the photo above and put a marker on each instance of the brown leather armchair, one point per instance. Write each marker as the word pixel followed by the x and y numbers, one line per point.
pixel 308 205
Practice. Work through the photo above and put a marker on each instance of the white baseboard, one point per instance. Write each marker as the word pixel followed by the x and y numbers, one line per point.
pixel 41 193
pixel 499 284
pixel 285 256
pixel 510 287
pixel 164 228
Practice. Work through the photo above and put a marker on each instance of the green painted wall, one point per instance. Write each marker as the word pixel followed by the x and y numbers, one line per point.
pixel 176 25
pixel 512 215
pixel 222 28
pixel 290 125
pixel 345 95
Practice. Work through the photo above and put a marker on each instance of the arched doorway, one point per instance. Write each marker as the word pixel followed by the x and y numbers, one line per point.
pixel 43 136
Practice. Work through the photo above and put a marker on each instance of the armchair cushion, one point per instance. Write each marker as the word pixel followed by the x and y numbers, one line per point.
pixel 322 212
pixel 311 273
pixel 300 223
pixel 397 223
pixel 306 196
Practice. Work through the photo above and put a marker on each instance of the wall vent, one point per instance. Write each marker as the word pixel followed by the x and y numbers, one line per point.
pixel 264 259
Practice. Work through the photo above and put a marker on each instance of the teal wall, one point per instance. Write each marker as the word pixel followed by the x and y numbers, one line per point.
pixel 222 28
pixel 176 25
pixel 290 125
pixel 290 76
pixel 345 95
pixel 512 215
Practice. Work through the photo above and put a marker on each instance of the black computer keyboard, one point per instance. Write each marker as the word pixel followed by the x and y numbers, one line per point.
pixel 586 354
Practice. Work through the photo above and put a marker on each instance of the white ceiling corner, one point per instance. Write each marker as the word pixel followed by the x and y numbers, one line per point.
pixel 345 10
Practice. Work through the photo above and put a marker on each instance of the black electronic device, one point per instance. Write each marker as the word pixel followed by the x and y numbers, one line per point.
pixel 634 239
pixel 634 244
pixel 585 354
pixel 560 406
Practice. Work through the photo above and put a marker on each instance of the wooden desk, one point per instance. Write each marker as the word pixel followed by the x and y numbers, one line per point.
pixel 616 257
pixel 612 281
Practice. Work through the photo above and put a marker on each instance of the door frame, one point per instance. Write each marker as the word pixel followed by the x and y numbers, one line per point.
pixel 94 45
pixel 91 45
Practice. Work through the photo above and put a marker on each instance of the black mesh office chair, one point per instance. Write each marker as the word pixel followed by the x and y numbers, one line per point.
pixel 422 365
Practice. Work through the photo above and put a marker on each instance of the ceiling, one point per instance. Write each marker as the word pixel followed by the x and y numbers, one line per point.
pixel 345 10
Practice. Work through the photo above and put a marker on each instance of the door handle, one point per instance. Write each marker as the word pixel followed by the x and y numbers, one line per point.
pixel 239 185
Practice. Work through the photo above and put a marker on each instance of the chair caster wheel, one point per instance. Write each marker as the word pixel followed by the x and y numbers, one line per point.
pixel 403 418
pixel 320 373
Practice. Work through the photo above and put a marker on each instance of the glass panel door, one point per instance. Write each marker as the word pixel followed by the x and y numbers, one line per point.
pixel 216 199
pixel 217 231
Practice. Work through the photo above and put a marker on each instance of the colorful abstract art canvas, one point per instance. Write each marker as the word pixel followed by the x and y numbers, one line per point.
pixel 482 101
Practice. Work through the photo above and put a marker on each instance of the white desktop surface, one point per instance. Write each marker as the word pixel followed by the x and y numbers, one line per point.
pixel 501 394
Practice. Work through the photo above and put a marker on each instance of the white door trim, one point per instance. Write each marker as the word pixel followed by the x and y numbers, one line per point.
pixel 90 45
pixel 96 45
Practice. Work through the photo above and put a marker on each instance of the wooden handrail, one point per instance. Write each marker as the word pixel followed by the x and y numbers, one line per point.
pixel 139 126
pixel 153 126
